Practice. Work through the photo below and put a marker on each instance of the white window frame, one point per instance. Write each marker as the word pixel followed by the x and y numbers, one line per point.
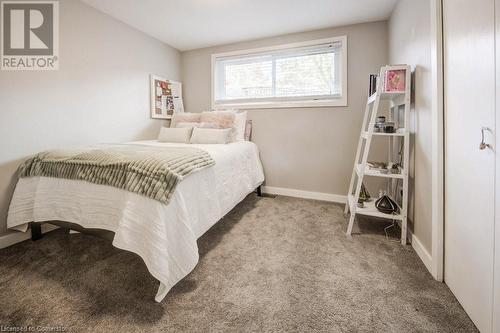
pixel 289 102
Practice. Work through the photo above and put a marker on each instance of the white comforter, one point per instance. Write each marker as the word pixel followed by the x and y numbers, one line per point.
pixel 164 236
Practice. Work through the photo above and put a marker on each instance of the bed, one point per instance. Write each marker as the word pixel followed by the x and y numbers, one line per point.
pixel 163 235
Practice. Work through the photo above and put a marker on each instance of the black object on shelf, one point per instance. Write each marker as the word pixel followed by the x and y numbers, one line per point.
pixel 389 127
pixel 373 84
pixel 386 205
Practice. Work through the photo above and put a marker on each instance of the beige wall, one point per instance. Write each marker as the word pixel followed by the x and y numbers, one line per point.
pixel 410 43
pixel 100 93
pixel 309 149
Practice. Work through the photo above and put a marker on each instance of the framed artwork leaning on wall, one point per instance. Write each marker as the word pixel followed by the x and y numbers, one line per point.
pixel 166 97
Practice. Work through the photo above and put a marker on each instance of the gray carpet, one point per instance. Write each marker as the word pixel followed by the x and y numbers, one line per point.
pixel 272 265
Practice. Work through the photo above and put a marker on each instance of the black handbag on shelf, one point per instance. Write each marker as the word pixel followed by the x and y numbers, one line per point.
pixel 386 205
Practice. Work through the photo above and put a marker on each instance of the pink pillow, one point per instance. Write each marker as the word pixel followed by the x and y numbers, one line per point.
pixel 195 124
pixel 185 117
pixel 221 119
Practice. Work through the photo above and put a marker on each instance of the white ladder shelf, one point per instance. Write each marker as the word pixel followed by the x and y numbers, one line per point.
pixel 398 102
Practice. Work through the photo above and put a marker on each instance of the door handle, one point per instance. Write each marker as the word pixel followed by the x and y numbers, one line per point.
pixel 483 145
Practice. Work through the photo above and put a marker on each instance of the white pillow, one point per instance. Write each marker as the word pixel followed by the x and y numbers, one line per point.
pixel 178 135
pixel 239 126
pixel 210 135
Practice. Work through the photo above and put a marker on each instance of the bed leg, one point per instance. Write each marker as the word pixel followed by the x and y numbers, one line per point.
pixel 36 231
pixel 259 191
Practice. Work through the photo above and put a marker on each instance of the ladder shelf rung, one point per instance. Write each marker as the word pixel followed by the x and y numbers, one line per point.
pixel 365 134
pixel 393 96
pixel 369 209
pixel 376 173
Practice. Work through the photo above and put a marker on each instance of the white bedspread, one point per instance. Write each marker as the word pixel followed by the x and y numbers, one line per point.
pixel 164 236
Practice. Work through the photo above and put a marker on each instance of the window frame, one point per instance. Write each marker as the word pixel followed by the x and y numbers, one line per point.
pixel 285 102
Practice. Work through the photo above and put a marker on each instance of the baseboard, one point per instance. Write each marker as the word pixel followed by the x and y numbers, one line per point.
pixel 14 237
pixel 304 194
pixel 423 254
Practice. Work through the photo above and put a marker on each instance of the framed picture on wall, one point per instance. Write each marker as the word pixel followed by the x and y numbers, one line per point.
pixel 166 97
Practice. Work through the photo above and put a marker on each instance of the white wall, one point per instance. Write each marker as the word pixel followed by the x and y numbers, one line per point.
pixel 309 149
pixel 410 43
pixel 99 94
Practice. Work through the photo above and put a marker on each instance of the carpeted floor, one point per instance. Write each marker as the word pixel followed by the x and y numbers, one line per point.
pixel 272 265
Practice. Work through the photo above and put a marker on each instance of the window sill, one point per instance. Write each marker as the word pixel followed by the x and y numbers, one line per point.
pixel 280 105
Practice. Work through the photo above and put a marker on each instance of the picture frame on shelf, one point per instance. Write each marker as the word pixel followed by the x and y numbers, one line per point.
pixel 166 97
pixel 395 81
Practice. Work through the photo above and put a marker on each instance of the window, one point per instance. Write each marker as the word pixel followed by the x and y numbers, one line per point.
pixel 294 75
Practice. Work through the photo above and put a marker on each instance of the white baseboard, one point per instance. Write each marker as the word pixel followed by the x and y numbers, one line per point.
pixel 14 237
pixel 304 194
pixel 423 254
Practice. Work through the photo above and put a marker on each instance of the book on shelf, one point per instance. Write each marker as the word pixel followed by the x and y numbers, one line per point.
pixel 373 84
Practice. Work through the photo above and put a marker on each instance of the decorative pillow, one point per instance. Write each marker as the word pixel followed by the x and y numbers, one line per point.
pixel 194 124
pixel 248 130
pixel 185 117
pixel 239 126
pixel 178 135
pixel 210 135
pixel 221 119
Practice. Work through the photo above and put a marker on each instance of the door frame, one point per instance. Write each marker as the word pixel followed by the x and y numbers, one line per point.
pixel 496 255
pixel 437 165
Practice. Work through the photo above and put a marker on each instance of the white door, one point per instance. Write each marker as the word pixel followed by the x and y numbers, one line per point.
pixel 469 95
pixel 469 63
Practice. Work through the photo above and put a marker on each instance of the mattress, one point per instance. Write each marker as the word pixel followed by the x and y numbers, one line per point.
pixel 163 235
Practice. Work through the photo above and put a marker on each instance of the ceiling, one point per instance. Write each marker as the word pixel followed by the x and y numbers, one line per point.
pixel 192 24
